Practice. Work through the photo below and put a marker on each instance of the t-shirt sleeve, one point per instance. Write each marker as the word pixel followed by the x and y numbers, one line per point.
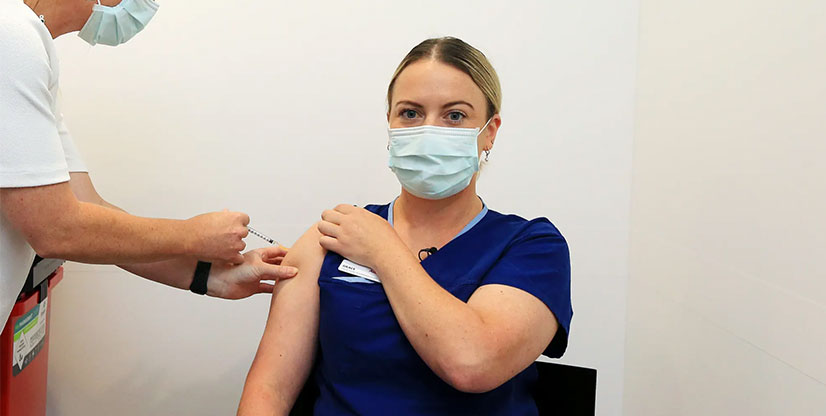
pixel 538 262
pixel 31 153
pixel 74 160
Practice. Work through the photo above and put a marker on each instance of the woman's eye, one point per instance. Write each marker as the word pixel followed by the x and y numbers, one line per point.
pixel 455 116
pixel 409 114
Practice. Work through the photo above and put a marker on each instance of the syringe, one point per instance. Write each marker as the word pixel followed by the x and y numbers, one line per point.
pixel 258 234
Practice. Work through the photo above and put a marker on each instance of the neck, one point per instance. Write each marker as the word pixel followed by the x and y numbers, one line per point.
pixel 441 214
pixel 58 18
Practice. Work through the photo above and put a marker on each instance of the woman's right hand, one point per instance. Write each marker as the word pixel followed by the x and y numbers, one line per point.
pixel 218 236
pixel 359 235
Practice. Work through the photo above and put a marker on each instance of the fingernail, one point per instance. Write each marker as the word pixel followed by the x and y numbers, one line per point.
pixel 293 271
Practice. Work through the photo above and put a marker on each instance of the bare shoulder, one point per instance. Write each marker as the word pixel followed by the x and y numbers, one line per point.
pixel 307 255
pixel 307 246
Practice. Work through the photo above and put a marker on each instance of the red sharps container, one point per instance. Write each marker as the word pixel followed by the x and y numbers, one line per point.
pixel 24 343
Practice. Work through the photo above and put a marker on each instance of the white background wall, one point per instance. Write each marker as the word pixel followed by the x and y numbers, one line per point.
pixel 727 294
pixel 277 109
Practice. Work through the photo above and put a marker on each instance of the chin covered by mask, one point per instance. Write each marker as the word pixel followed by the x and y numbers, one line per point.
pixel 434 162
pixel 117 24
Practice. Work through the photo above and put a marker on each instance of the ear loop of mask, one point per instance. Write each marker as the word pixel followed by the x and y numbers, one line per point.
pixel 487 152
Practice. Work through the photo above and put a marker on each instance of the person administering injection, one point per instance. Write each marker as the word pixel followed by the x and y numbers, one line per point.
pixel 48 204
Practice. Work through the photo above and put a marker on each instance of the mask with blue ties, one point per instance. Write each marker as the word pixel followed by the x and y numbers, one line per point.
pixel 117 24
pixel 434 162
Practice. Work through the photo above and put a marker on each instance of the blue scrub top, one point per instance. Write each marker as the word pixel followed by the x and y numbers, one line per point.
pixel 366 365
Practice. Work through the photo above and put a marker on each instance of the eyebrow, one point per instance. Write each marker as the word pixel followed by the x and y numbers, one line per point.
pixel 450 104
pixel 410 103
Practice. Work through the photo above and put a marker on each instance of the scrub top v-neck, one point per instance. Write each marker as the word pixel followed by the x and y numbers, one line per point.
pixel 366 365
pixel 467 227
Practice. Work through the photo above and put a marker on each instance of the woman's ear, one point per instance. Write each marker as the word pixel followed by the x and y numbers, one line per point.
pixel 492 129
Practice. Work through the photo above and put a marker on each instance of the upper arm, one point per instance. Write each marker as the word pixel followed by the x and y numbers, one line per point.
pixel 285 354
pixel 38 212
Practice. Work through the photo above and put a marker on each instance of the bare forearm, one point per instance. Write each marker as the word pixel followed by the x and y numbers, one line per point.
pixel 57 223
pixel 474 346
pixel 175 272
pixel 441 328
pixel 91 233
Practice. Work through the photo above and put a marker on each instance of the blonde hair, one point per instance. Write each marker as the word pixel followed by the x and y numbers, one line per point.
pixel 460 55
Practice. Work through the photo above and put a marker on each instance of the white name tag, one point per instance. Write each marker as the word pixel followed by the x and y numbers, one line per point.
pixel 356 269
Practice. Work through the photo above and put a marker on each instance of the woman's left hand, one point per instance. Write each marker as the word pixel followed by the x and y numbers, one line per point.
pixel 357 234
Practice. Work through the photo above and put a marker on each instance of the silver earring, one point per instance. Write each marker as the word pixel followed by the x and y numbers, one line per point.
pixel 487 154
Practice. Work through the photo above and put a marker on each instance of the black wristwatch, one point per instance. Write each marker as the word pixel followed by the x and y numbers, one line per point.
pixel 199 281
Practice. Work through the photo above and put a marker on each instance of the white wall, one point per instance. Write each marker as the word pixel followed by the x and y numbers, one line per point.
pixel 277 109
pixel 727 294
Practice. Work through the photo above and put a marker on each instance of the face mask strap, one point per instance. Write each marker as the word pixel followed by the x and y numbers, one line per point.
pixel 484 127
pixel 487 152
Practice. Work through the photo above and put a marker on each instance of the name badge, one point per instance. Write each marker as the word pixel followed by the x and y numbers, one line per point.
pixel 356 269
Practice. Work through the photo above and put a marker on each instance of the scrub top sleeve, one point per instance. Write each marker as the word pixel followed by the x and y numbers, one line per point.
pixel 538 262
pixel 30 149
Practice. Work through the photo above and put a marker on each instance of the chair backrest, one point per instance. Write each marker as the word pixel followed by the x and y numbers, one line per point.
pixel 306 399
pixel 560 390
pixel 565 390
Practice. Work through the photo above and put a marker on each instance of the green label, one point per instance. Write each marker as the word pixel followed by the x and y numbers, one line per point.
pixel 29 336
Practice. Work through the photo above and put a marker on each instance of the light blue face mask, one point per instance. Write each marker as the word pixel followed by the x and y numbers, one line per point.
pixel 115 25
pixel 434 162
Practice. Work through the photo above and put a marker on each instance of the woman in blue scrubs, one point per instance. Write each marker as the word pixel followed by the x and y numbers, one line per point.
pixel 432 304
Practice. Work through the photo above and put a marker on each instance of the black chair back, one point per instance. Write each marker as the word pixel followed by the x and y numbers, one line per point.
pixel 565 390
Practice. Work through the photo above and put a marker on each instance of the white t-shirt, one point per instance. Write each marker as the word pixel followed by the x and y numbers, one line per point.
pixel 35 146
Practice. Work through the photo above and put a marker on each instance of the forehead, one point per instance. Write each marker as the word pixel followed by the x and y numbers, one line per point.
pixel 427 81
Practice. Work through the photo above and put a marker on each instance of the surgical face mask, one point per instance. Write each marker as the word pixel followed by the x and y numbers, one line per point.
pixel 434 162
pixel 115 25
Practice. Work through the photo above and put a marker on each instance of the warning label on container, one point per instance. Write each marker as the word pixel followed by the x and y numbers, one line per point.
pixel 29 336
